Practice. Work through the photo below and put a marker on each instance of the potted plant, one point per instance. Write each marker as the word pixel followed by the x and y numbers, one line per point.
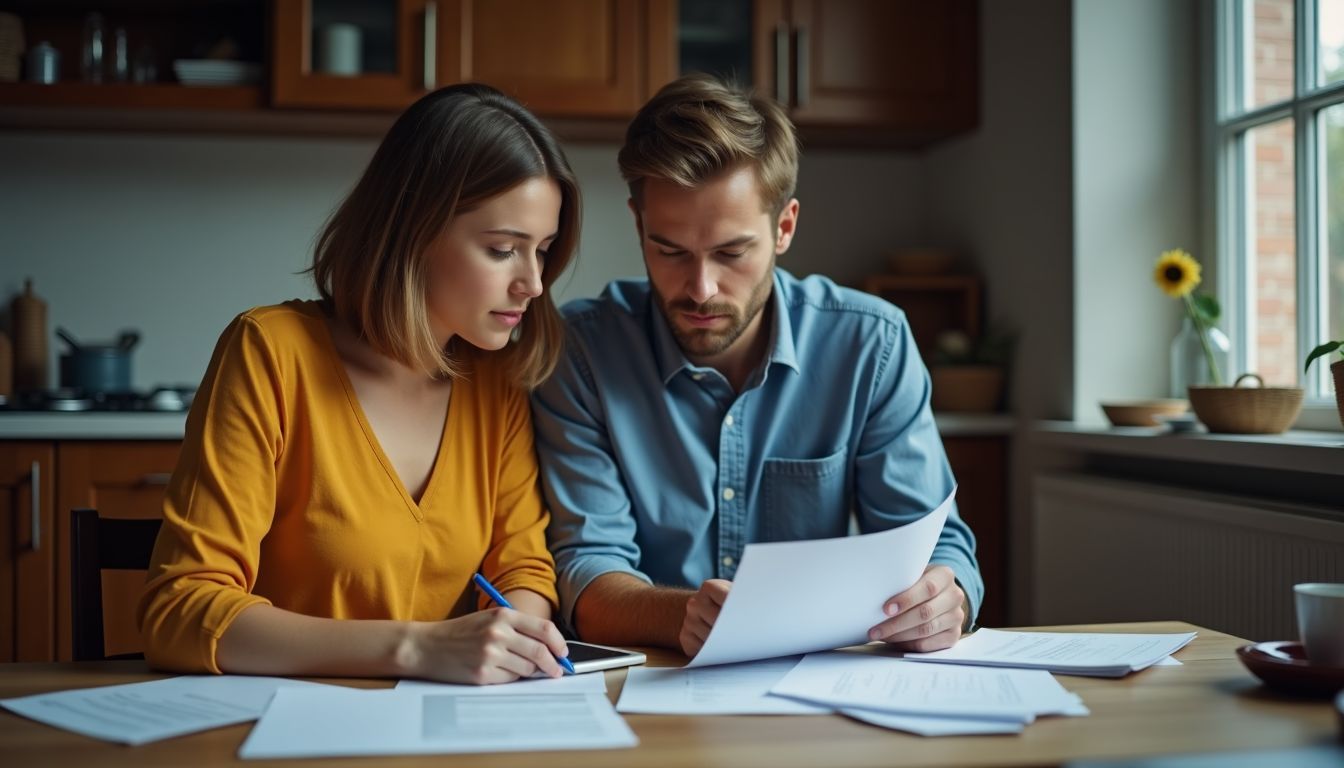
pixel 1336 369
pixel 968 374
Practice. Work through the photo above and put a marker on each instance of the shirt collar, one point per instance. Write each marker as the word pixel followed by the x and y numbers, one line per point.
pixel 671 360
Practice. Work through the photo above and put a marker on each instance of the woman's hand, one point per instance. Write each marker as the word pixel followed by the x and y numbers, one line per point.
pixel 491 646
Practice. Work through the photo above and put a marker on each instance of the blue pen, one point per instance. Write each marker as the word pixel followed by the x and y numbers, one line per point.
pixel 493 594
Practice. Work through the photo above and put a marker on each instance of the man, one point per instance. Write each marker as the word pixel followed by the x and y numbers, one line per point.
pixel 724 401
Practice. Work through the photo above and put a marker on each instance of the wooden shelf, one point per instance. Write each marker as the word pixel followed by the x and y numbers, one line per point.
pixel 132 96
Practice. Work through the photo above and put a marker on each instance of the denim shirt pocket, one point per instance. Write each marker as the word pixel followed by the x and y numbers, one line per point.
pixel 804 498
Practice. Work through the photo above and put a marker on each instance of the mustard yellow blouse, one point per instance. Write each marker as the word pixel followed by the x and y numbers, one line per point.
pixel 282 496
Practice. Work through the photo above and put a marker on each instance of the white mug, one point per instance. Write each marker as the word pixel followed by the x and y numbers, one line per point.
pixel 1320 620
pixel 341 51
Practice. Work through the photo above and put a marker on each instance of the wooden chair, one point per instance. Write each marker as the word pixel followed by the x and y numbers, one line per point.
pixel 98 544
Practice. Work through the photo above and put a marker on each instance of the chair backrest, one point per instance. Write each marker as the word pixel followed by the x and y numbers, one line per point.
pixel 98 544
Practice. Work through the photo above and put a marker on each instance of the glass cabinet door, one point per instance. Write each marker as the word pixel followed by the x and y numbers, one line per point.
pixel 353 53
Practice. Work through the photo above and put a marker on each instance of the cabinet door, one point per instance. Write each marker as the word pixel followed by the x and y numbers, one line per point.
pixel 578 58
pixel 121 480
pixel 26 545
pixel 359 54
pixel 907 64
pixel 980 466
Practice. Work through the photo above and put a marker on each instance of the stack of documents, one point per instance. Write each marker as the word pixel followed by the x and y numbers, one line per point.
pixel 1065 653
pixel 138 713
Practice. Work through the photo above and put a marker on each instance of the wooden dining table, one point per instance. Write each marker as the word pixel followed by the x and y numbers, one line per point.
pixel 1209 703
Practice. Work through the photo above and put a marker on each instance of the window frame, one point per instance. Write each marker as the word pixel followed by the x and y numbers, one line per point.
pixel 1233 184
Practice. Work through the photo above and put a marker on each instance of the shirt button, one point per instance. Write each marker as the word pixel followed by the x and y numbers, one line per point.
pixel 697 376
pixel 728 561
pixel 728 422
pixel 728 494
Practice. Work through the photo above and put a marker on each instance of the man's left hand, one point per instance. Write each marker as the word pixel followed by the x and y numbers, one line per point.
pixel 926 617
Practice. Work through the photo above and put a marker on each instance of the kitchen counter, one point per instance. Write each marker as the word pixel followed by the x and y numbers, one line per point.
pixel 100 425
pixel 169 426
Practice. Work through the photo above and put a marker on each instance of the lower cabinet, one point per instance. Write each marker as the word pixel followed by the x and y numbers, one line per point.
pixel 41 482
pixel 980 464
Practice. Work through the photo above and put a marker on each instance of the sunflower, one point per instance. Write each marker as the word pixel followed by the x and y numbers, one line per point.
pixel 1177 273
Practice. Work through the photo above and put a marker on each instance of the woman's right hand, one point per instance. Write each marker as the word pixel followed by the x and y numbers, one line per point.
pixel 497 645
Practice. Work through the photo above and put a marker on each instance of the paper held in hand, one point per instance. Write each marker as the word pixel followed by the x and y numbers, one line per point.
pixel 1065 653
pixel 797 597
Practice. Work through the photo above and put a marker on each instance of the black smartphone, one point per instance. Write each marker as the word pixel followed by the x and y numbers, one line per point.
pixel 587 657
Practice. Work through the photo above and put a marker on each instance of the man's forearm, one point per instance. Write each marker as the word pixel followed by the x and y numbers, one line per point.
pixel 619 609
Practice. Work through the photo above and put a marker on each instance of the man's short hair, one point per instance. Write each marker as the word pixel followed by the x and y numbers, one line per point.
pixel 698 126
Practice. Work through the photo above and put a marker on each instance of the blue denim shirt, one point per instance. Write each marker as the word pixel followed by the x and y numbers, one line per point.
pixel 655 467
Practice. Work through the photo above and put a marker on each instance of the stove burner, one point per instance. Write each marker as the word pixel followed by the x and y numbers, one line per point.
pixel 162 399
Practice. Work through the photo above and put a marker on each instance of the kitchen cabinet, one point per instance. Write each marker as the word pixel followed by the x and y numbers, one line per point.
pixel 119 479
pixel 578 58
pixel 883 71
pixel 980 464
pixel 27 608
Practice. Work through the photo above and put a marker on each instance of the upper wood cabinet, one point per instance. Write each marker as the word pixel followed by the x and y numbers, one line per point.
pixel 577 58
pixel 906 67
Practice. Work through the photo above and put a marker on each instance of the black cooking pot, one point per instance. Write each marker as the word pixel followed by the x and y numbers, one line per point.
pixel 98 367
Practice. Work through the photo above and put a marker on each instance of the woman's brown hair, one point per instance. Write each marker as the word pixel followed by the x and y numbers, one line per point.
pixel 449 152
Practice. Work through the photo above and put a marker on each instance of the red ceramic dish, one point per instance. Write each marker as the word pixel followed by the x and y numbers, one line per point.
pixel 1283 665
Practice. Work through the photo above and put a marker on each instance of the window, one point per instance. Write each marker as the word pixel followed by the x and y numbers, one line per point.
pixel 1279 154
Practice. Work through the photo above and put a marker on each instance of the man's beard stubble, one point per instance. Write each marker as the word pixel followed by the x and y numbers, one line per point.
pixel 704 342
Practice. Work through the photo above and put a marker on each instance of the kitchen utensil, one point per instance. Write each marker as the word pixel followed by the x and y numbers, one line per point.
pixel 28 323
pixel 94 368
pixel 1142 413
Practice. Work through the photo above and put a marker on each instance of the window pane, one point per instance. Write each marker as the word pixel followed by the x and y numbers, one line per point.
pixel 1330 22
pixel 1271 257
pixel 1269 76
pixel 1332 213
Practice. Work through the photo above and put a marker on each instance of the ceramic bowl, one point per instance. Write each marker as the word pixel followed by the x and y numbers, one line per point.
pixel 1142 413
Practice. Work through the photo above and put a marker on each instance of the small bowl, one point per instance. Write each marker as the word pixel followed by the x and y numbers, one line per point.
pixel 1142 413
pixel 1247 410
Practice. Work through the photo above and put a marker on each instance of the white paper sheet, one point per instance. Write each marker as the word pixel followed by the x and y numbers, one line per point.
pixel 729 689
pixel 1067 653
pixel 891 685
pixel 800 596
pixel 930 725
pixel 593 682
pixel 935 726
pixel 351 722
pixel 138 713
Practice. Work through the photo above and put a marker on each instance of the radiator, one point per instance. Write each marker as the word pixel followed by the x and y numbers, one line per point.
pixel 1107 550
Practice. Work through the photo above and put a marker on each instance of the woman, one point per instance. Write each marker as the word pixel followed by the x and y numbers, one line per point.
pixel 349 463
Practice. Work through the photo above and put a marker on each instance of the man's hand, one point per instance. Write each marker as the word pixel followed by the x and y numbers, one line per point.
pixel 702 610
pixel 926 617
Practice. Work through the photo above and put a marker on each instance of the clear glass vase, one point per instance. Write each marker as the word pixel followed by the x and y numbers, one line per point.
pixel 1190 364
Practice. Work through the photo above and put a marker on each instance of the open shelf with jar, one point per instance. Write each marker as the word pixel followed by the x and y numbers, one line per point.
pixel 135 54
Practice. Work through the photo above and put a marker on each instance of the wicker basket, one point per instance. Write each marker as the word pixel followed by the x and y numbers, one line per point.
pixel 1246 410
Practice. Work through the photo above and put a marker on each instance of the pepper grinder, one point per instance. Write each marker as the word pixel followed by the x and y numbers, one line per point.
pixel 28 323
pixel 6 369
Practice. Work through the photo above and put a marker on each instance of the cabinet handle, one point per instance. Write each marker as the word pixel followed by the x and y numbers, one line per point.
pixel 156 478
pixel 803 85
pixel 36 496
pixel 782 64
pixel 431 44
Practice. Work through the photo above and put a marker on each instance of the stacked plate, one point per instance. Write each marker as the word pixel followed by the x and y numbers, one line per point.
pixel 216 72
pixel 11 47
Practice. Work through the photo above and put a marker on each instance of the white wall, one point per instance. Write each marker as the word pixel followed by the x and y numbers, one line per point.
pixel 175 235
pixel 1135 136
pixel 1003 195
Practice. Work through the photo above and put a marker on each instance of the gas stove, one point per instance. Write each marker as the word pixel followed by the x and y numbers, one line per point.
pixel 158 400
